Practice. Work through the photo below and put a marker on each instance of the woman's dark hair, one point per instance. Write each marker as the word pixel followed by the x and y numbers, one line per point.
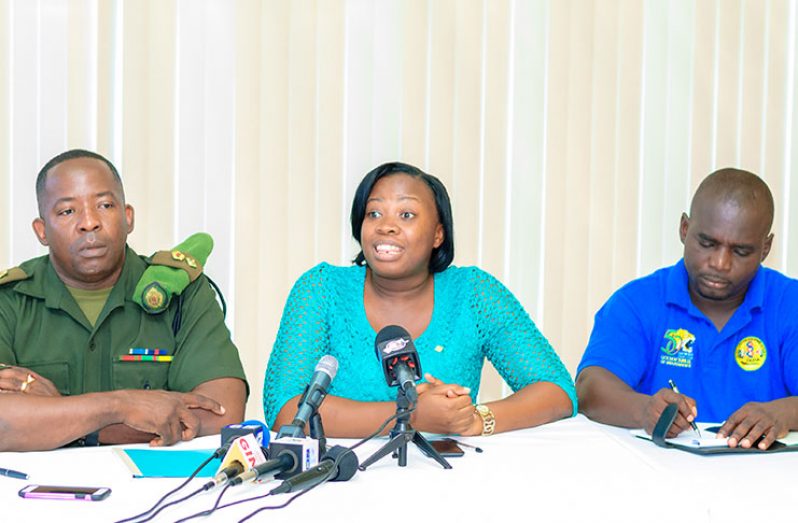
pixel 441 256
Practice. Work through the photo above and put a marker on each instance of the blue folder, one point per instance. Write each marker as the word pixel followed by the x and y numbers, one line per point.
pixel 166 463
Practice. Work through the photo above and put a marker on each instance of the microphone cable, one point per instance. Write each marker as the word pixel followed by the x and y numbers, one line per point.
pixel 217 506
pixel 216 454
pixel 171 503
pixel 203 488
pixel 210 510
pixel 305 491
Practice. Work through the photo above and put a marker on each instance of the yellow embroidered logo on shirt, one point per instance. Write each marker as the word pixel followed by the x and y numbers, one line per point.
pixel 750 353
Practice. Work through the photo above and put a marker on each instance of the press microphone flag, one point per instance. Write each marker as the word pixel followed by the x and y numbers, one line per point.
pixel 289 457
pixel 244 454
pixel 399 359
pixel 234 431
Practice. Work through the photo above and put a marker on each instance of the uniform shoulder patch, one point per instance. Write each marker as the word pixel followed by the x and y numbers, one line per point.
pixel 12 275
pixel 170 272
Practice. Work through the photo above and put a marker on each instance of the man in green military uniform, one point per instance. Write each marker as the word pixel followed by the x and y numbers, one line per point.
pixel 69 326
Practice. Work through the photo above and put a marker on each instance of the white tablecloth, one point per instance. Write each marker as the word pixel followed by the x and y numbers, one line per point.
pixel 572 470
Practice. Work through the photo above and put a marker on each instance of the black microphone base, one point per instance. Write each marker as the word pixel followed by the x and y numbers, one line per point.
pixel 398 446
pixel 401 435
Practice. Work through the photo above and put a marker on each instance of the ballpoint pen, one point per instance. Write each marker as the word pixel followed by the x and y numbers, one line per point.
pixel 470 446
pixel 692 423
pixel 13 473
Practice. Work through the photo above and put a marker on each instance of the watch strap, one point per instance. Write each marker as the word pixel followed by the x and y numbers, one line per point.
pixel 488 419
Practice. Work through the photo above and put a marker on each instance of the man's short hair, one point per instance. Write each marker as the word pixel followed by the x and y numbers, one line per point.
pixel 41 178
pixel 736 185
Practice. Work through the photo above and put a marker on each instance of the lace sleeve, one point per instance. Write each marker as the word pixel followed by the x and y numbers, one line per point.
pixel 512 342
pixel 301 341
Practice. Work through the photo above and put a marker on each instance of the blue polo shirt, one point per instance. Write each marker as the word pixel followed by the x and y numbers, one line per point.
pixel 649 331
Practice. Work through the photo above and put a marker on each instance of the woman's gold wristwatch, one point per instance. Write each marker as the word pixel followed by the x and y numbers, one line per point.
pixel 488 420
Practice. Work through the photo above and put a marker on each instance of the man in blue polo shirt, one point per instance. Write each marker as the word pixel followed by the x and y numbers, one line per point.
pixel 718 324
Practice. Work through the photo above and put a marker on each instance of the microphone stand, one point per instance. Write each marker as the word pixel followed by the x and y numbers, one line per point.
pixel 317 432
pixel 297 429
pixel 401 434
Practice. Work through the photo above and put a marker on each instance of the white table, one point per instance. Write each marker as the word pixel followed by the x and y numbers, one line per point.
pixel 572 470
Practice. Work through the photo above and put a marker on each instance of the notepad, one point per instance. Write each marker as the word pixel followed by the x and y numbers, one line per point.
pixel 689 439
pixel 709 443
pixel 167 463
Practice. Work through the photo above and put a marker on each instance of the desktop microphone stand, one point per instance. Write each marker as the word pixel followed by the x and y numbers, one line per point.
pixel 401 434
pixel 297 430
pixel 317 432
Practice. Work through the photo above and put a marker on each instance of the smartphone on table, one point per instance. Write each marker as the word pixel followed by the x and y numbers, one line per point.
pixel 73 493
pixel 447 447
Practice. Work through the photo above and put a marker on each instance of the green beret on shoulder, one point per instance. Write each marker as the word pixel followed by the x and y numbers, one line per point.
pixel 12 275
pixel 170 272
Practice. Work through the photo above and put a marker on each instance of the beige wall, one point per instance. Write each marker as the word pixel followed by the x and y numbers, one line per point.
pixel 569 133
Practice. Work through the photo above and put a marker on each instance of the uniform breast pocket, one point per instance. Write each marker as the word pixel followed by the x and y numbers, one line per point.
pixel 57 372
pixel 140 374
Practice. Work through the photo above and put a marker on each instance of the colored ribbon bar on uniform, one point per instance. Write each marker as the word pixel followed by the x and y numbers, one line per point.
pixel 140 357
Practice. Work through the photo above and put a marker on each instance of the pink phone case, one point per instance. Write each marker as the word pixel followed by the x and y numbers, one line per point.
pixel 68 493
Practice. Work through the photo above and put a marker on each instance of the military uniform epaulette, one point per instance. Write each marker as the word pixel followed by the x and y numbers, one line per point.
pixel 170 272
pixel 12 275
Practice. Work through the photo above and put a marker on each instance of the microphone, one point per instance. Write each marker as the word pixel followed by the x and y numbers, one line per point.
pixel 225 474
pixel 244 454
pixel 231 432
pixel 285 462
pixel 400 363
pixel 343 471
pixel 290 456
pixel 314 394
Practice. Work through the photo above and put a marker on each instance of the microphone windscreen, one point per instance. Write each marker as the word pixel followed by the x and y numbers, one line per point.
pixel 328 365
pixel 390 332
pixel 347 466
pixel 394 347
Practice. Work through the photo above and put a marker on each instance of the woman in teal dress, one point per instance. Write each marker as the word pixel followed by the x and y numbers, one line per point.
pixel 457 317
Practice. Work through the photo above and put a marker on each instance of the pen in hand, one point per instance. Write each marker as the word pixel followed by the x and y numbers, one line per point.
pixel 692 423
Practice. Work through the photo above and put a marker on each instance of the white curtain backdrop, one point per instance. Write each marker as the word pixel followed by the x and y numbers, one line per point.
pixel 570 133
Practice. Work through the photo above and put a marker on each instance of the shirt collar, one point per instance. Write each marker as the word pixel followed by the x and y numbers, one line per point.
pixel 45 283
pixel 677 289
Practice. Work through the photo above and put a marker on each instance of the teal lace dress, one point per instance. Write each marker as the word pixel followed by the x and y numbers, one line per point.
pixel 474 317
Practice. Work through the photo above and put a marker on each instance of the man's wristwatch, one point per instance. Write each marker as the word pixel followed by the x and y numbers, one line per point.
pixel 488 420
pixel 89 440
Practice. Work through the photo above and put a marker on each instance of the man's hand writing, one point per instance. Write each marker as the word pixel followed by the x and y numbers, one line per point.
pixel 652 410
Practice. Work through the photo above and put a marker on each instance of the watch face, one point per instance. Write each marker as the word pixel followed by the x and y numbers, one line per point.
pixel 482 409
